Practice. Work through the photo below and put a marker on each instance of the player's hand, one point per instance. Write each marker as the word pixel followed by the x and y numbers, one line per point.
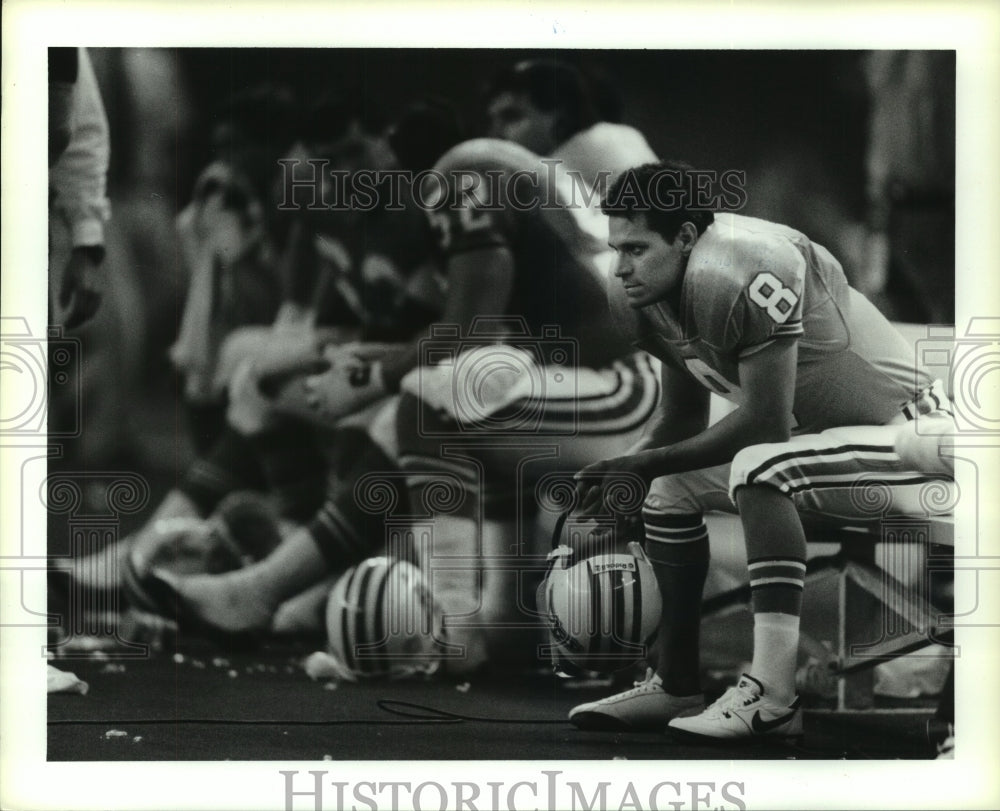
pixel 249 412
pixel 82 285
pixel 619 481
pixel 352 382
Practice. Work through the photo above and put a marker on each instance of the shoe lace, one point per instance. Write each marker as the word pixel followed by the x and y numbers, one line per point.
pixel 650 675
pixel 649 682
pixel 734 698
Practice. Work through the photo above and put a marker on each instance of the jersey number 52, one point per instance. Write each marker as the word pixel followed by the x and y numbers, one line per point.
pixel 467 219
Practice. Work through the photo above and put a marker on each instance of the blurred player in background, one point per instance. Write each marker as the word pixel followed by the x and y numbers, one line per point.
pixel 230 237
pixel 79 151
pixel 757 313
pixel 364 275
pixel 555 110
pixel 547 267
pixel 508 255
pixel 505 256
pixel 228 251
pixel 909 271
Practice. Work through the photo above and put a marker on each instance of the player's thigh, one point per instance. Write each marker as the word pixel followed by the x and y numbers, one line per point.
pixel 602 415
pixel 592 415
pixel 849 473
pixel 690 493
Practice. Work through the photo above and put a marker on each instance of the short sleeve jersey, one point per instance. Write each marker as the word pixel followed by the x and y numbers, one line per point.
pixel 497 194
pixel 749 283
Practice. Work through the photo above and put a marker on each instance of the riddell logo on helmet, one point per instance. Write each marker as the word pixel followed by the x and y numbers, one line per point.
pixel 613 566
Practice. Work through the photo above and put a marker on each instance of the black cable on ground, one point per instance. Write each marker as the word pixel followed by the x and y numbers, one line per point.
pixel 397 708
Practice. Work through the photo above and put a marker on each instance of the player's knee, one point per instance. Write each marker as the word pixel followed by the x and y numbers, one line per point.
pixel 758 464
pixel 672 496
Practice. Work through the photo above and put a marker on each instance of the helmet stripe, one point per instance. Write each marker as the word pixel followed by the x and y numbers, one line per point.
pixel 346 611
pixel 635 632
pixel 618 589
pixel 594 620
pixel 381 630
pixel 363 616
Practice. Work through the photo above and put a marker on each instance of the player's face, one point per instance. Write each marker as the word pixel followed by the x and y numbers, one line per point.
pixel 355 150
pixel 648 267
pixel 514 118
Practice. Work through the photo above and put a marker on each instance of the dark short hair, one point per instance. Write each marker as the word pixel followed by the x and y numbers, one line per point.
pixel 262 114
pixel 330 116
pixel 424 131
pixel 662 192
pixel 550 85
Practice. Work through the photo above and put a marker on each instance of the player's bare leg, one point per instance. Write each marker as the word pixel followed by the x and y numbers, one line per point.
pixel 101 571
pixel 230 465
pixel 305 613
pixel 246 600
pixel 142 544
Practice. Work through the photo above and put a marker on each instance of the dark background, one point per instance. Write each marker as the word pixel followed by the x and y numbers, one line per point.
pixel 762 111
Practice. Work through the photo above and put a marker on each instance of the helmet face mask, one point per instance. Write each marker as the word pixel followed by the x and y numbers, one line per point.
pixel 602 612
pixel 382 622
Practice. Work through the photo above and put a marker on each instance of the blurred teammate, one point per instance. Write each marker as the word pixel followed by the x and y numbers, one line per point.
pixel 553 109
pixel 360 273
pixel 369 278
pixel 229 238
pixel 757 313
pixel 505 256
pixel 226 239
pixel 79 151
pixel 509 255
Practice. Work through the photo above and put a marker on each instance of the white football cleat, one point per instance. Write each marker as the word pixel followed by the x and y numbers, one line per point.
pixel 743 714
pixel 647 707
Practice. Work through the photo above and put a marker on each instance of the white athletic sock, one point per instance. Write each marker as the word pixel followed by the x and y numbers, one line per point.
pixel 775 654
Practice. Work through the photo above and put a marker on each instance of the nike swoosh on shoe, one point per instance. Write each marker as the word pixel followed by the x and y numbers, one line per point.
pixel 761 726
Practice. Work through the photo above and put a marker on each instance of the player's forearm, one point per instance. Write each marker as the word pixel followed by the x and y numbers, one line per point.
pixel 673 425
pixel 480 282
pixel 666 432
pixel 716 445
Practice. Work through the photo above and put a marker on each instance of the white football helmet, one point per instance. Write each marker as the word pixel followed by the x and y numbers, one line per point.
pixel 602 612
pixel 382 621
